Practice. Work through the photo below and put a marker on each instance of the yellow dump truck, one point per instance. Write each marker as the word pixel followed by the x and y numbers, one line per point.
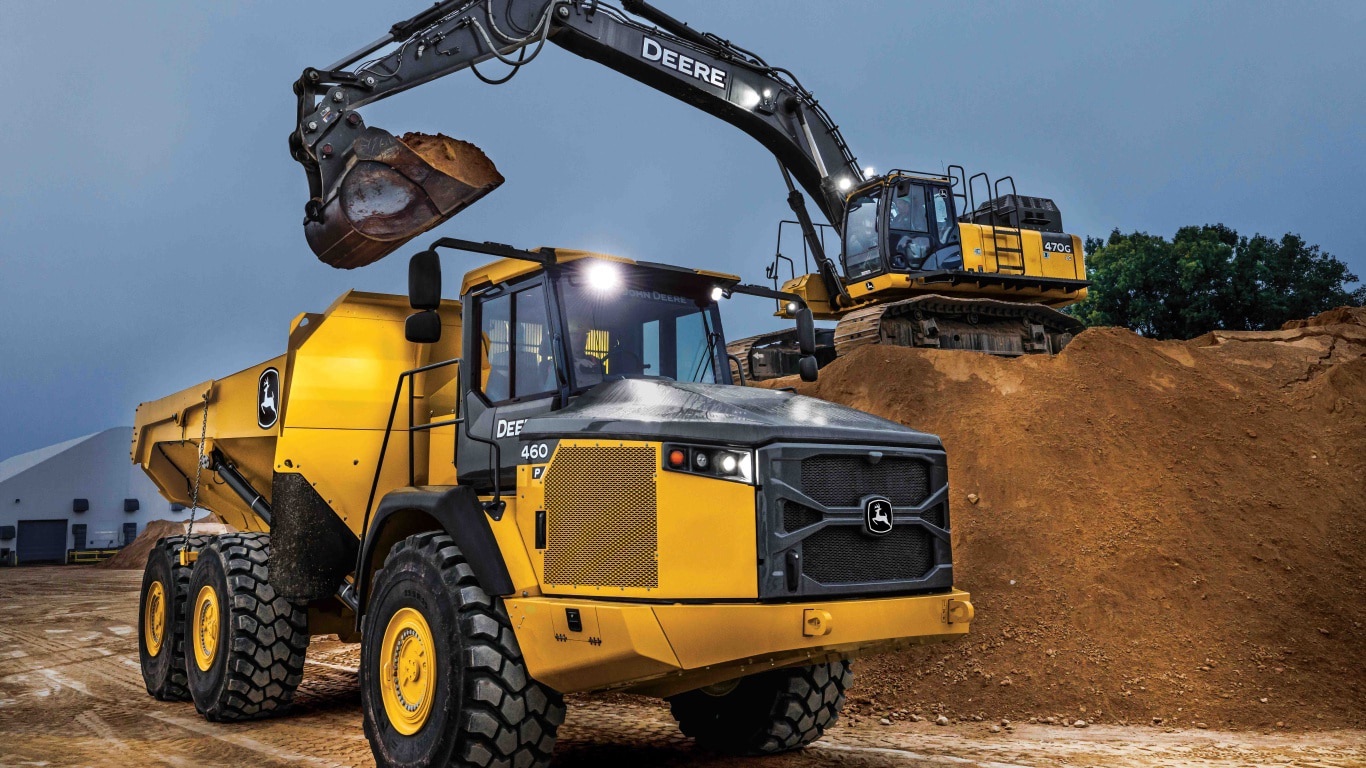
pixel 552 485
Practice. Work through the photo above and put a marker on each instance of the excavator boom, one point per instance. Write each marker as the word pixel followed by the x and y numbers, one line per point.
pixel 371 192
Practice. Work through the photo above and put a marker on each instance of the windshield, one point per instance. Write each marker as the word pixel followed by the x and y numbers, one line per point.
pixel 619 330
pixel 860 237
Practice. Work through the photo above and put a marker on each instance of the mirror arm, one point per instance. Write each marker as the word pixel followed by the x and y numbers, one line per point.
pixel 767 293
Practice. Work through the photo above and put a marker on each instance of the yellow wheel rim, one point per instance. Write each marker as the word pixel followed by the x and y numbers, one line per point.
pixel 154 618
pixel 407 671
pixel 205 627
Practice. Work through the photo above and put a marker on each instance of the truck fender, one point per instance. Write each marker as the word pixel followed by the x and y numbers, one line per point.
pixel 455 510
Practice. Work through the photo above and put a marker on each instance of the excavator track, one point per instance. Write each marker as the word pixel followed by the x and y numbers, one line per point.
pixel 983 325
pixel 772 355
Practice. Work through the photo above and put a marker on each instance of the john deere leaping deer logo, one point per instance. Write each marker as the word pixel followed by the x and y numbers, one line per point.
pixel 268 398
pixel 877 515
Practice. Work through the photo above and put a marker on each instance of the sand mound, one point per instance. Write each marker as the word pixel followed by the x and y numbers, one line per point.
pixel 1162 529
pixel 134 556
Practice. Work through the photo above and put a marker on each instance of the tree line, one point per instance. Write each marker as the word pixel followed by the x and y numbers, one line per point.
pixel 1210 277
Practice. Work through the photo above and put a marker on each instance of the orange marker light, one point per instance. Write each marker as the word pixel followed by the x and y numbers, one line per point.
pixel 677 458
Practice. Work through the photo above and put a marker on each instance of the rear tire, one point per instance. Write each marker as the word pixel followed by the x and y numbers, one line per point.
pixel 767 713
pixel 245 645
pixel 442 679
pixel 161 618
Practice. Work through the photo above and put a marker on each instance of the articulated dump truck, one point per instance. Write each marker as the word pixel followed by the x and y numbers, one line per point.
pixel 552 485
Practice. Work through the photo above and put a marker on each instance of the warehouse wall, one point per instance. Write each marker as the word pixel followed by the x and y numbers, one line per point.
pixel 96 468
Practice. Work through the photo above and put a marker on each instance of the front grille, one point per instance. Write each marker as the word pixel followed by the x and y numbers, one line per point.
pixel 934 516
pixel 601 517
pixel 798 516
pixel 844 554
pixel 843 480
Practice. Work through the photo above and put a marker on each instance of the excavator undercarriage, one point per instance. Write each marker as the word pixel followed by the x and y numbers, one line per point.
pixel 942 322
pixel 1003 328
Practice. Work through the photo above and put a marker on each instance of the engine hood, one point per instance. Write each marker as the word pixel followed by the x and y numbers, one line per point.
pixel 654 409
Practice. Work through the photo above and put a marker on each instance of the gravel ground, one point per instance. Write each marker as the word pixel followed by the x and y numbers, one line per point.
pixel 71 695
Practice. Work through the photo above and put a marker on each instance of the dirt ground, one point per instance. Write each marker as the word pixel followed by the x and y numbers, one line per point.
pixel 71 695
pixel 1164 532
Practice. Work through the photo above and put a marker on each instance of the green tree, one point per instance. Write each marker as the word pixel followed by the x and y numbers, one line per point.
pixel 1209 277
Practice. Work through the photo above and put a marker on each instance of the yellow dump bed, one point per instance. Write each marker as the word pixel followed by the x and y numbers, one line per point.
pixel 322 405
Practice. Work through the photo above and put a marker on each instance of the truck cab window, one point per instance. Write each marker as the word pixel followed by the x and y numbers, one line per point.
pixel 495 319
pixel 533 371
pixel 516 355
pixel 628 332
pixel 861 252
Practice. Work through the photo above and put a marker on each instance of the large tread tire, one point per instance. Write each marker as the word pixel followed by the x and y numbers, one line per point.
pixel 262 638
pixel 163 672
pixel 767 713
pixel 485 709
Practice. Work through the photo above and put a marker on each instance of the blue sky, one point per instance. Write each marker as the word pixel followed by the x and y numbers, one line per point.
pixel 150 214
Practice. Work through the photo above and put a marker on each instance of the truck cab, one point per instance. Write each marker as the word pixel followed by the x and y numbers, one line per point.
pixel 539 336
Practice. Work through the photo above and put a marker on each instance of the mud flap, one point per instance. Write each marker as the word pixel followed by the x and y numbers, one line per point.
pixel 393 190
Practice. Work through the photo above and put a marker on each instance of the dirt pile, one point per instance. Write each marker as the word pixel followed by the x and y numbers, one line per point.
pixel 1150 530
pixel 135 555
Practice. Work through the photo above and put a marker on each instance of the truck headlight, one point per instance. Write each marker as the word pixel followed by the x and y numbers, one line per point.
pixel 723 463
pixel 729 464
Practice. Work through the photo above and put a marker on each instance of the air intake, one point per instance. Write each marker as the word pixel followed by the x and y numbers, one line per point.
pixel 601 517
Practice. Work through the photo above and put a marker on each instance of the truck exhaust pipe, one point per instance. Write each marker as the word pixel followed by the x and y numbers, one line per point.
pixel 392 190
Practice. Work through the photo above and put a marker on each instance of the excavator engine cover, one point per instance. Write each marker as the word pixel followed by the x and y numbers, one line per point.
pixel 393 190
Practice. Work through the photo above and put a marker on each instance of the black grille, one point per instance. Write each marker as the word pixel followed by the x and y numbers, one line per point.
pixel 841 481
pixel 798 516
pixel 844 554
pixel 935 516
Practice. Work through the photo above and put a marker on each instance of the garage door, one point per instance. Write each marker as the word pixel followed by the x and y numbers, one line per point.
pixel 41 541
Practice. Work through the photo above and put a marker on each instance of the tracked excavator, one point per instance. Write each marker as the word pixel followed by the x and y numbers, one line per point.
pixel 945 260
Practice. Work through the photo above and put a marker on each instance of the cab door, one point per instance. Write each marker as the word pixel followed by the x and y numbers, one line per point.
pixel 515 373
pixel 922 233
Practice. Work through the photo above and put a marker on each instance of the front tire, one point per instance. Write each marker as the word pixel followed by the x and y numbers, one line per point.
pixel 161 618
pixel 245 645
pixel 442 679
pixel 767 713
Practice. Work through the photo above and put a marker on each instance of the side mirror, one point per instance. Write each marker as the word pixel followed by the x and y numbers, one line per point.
pixel 807 367
pixel 806 332
pixel 424 282
pixel 423 327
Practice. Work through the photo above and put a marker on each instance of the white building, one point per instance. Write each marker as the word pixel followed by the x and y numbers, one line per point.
pixel 80 494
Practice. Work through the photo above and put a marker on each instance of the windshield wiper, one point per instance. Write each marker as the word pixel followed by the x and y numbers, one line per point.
pixel 709 357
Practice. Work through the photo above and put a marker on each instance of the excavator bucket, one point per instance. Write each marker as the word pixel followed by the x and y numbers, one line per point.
pixel 394 190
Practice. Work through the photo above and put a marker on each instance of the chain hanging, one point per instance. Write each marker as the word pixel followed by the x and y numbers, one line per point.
pixel 198 473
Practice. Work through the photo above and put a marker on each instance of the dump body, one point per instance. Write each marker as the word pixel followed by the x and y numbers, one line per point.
pixel 336 384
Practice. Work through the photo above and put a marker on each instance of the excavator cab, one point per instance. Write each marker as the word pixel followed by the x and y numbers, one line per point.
pixel 900 224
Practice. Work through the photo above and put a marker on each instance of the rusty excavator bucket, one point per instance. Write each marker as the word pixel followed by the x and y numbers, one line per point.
pixel 393 190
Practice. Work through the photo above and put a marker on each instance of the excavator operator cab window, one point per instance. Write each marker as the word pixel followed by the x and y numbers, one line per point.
pixel 908 229
pixel 862 254
pixel 922 234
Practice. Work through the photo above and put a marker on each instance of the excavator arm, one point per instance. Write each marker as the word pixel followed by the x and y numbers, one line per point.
pixel 370 192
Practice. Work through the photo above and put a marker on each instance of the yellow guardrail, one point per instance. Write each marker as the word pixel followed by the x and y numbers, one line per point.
pixel 86 556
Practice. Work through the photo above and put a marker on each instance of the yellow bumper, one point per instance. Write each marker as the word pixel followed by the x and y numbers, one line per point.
pixel 582 645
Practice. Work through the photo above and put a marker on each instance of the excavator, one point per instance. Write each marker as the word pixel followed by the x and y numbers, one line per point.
pixel 943 260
